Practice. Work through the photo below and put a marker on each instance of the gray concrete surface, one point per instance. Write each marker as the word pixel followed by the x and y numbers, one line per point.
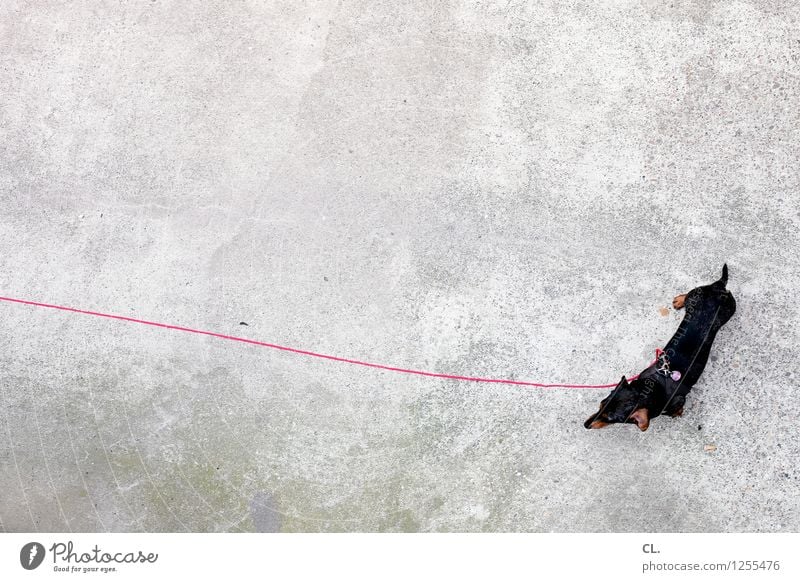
pixel 504 189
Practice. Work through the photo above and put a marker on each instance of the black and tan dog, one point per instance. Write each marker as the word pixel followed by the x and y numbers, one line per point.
pixel 663 386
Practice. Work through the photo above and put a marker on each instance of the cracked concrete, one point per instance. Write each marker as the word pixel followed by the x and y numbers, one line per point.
pixel 511 190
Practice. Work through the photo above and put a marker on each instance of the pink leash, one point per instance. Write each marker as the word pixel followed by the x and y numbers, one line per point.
pixel 306 352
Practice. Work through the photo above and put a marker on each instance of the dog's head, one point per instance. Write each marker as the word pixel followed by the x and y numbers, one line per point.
pixel 625 404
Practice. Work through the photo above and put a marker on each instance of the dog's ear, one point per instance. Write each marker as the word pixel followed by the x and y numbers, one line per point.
pixel 623 382
pixel 641 416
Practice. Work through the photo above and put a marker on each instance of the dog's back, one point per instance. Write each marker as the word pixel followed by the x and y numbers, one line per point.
pixel 708 308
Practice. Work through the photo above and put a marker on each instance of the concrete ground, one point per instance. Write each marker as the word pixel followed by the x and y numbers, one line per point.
pixel 504 189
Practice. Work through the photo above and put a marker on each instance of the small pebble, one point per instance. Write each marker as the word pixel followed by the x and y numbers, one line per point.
pixel 710 448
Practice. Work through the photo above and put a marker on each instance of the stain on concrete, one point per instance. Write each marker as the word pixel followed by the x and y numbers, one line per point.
pixel 264 513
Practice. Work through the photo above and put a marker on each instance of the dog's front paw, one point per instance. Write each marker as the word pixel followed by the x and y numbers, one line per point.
pixel 679 301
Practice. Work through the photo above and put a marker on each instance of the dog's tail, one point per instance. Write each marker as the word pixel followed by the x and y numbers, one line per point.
pixel 724 278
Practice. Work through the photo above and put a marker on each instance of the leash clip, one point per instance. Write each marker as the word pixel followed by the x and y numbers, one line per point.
pixel 662 363
pixel 663 368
